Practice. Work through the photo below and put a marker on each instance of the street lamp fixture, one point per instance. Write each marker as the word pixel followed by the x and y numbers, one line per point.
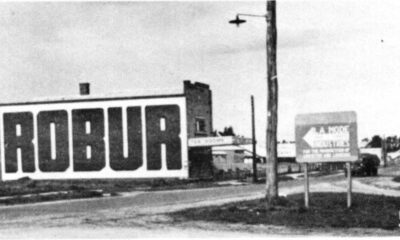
pixel 237 21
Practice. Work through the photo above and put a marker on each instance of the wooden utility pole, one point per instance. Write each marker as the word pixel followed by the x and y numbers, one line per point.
pixel 272 108
pixel 384 151
pixel 253 133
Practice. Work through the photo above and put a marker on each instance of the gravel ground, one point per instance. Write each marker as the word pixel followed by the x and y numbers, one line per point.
pixel 385 179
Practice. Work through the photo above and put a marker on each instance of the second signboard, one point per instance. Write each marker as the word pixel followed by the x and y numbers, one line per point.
pixel 326 137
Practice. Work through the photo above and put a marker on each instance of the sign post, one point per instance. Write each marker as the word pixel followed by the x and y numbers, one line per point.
pixel 326 137
pixel 348 166
pixel 306 186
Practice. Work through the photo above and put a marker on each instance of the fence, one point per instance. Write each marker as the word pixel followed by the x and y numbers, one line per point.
pixel 241 171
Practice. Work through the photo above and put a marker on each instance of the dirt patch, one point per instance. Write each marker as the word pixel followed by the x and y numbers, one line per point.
pixel 396 179
pixel 384 182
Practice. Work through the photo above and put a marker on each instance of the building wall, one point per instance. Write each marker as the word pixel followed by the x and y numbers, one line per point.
pixel 199 106
pixel 62 153
pixel 199 124
pixel 183 111
pixel 230 160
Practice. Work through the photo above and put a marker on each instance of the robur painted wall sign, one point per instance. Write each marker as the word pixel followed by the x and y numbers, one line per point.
pixel 133 138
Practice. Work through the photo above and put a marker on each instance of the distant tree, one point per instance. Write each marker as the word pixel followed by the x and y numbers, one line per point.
pixel 392 143
pixel 228 131
pixel 365 140
pixel 376 142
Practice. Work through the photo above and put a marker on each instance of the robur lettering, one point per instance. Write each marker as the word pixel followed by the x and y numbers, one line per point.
pixel 90 144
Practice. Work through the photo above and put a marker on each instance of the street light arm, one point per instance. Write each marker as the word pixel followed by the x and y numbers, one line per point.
pixel 239 21
pixel 251 15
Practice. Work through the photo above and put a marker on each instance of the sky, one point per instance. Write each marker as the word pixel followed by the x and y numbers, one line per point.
pixel 341 55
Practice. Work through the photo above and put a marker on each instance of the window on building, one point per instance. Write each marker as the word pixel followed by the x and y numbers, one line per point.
pixel 200 125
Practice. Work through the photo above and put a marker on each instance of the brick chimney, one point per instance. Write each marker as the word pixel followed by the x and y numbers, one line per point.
pixel 84 88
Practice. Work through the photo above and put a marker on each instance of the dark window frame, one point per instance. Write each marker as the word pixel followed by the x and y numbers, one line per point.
pixel 200 128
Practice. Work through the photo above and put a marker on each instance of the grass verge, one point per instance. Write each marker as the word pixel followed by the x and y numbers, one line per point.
pixel 29 186
pixel 281 178
pixel 32 198
pixel 326 210
pixel 27 190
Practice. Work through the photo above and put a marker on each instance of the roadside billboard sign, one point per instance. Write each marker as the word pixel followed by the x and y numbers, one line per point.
pixel 99 138
pixel 326 137
pixel 286 150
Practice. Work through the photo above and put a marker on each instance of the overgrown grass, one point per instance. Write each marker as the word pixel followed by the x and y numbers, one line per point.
pixel 83 188
pixel 281 178
pixel 57 196
pixel 28 186
pixel 326 210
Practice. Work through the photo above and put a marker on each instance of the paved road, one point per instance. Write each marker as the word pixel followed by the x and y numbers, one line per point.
pixel 141 200
pixel 138 214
